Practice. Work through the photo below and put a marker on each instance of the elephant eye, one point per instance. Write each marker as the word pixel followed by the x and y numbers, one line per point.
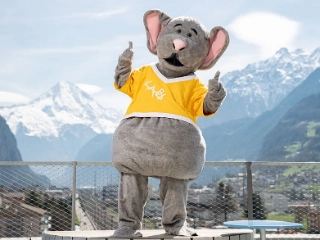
pixel 179 31
pixel 189 35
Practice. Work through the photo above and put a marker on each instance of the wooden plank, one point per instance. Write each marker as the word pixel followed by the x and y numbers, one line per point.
pixel 203 234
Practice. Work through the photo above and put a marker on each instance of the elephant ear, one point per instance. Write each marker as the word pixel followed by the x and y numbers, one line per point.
pixel 219 41
pixel 154 21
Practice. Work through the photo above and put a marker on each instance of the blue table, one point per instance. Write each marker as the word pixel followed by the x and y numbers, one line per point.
pixel 262 225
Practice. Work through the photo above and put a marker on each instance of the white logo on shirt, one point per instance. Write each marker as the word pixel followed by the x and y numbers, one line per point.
pixel 159 94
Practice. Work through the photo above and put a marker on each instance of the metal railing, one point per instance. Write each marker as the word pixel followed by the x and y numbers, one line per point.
pixel 57 196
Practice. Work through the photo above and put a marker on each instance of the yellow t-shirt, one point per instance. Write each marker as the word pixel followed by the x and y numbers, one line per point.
pixel 154 95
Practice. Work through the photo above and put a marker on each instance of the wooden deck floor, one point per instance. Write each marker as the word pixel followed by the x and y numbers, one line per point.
pixel 203 234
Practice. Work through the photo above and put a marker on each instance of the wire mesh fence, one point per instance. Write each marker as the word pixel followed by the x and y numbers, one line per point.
pixel 36 197
pixel 288 192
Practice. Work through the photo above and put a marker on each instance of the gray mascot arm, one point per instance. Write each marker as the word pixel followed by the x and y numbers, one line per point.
pixel 216 94
pixel 219 40
pixel 124 66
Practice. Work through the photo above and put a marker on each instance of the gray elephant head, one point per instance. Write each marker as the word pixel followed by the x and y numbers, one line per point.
pixel 182 44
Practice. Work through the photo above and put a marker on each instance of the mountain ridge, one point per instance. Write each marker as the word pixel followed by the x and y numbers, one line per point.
pixel 55 125
pixel 19 176
pixel 246 142
pixel 296 137
pixel 260 86
pixel 63 104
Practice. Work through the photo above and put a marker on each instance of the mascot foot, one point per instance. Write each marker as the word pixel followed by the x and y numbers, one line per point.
pixel 125 231
pixel 184 231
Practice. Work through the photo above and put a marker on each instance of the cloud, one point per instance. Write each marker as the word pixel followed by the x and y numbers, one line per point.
pixel 266 30
pixel 89 88
pixel 11 97
pixel 80 49
pixel 14 16
pixel 119 42
pixel 99 15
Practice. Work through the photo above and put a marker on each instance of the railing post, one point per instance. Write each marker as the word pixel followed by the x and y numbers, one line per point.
pixel 249 190
pixel 73 195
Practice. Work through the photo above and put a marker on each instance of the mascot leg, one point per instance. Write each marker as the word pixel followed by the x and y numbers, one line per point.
pixel 133 194
pixel 173 195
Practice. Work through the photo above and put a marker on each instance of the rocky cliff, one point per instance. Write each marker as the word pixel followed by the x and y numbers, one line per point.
pixel 15 175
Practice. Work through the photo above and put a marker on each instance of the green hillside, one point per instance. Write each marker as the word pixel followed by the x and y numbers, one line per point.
pixel 243 138
pixel 296 137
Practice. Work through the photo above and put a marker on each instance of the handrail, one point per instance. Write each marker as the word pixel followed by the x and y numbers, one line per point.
pixel 108 163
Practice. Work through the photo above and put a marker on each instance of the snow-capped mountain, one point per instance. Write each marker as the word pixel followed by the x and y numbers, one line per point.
pixel 262 85
pixel 64 104
pixel 273 78
pixel 54 126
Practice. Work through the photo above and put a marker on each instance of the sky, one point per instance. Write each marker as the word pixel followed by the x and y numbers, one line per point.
pixel 79 41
